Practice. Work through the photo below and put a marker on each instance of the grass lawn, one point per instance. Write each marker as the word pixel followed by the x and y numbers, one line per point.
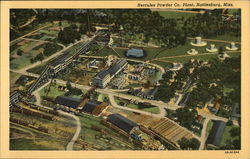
pixel 38 69
pixel 209 127
pixel 19 62
pixel 101 97
pixel 54 92
pixel 106 52
pixel 27 144
pixel 151 109
pixel 185 59
pixel 175 15
pixel 228 37
pixel 161 63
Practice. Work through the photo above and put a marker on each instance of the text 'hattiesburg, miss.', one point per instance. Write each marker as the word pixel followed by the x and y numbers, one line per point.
pixel 176 4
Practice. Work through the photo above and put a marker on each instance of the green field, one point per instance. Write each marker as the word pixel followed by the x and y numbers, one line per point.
pixel 20 62
pixel 106 52
pixel 151 109
pixel 175 15
pixel 228 38
pixel 30 144
pixel 38 69
pixel 54 92
pixel 101 97
pixel 203 58
pixel 209 127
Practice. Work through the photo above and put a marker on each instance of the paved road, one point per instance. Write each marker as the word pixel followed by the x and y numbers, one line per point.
pixel 203 134
pixel 78 129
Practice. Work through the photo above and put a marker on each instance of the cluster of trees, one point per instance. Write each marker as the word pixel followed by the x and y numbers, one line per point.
pixel 192 144
pixel 234 142
pixel 17 18
pixel 208 81
pixel 69 34
pixel 48 49
pixel 72 90
pixel 170 32
pixel 211 80
pixel 186 117
pixel 212 24
pixel 19 52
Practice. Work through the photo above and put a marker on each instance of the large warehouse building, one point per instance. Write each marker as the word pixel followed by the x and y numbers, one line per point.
pixel 105 76
pixel 122 122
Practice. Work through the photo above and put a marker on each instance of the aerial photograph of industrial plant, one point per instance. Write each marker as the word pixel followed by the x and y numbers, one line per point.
pixel 125 79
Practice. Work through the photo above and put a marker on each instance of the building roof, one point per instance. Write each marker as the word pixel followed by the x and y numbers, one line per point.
pixel 102 74
pixel 117 66
pixel 135 52
pixel 113 69
pixel 216 133
pixel 68 101
pixel 121 62
pixel 121 122
pixel 60 59
pixel 90 106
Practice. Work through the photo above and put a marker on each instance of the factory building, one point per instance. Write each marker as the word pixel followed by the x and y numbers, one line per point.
pixel 91 106
pixel 61 62
pixel 104 77
pixel 121 122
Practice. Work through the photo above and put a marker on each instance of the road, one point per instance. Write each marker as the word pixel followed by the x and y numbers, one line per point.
pixel 78 129
pixel 159 104
pixel 29 33
pixel 44 41
pixel 223 41
pixel 37 95
pixel 203 137
pixel 200 54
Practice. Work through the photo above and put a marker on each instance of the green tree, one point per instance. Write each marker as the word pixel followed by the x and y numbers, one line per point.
pixel 20 52
pixel 192 144
pixel 68 86
pixel 186 117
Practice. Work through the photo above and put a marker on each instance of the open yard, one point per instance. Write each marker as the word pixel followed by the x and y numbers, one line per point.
pixel 54 91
